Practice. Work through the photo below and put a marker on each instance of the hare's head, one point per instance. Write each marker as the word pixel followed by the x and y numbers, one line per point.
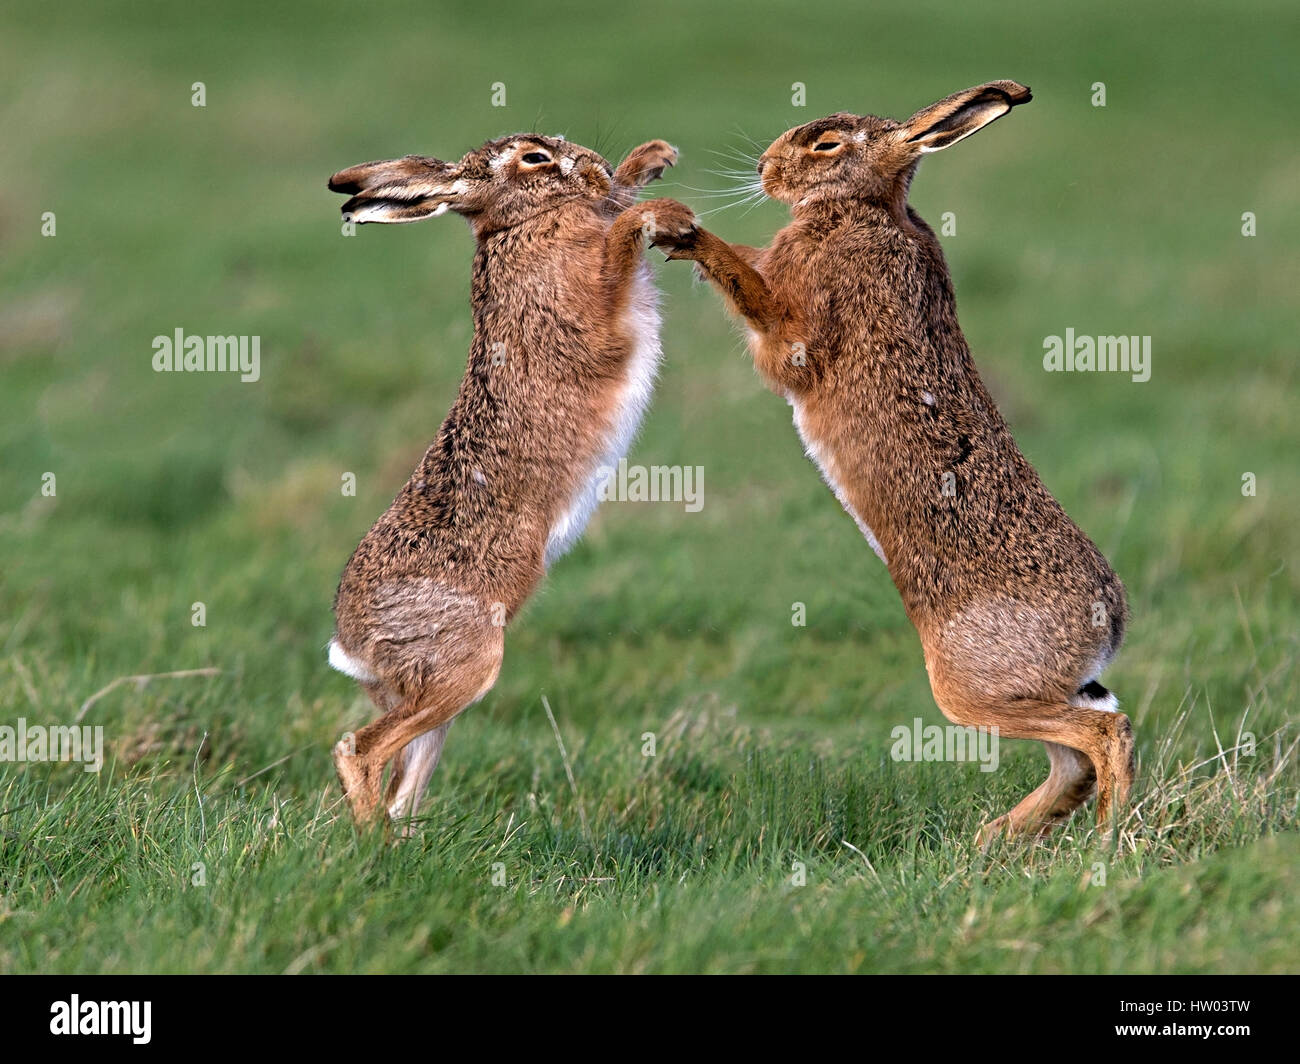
pixel 861 157
pixel 498 185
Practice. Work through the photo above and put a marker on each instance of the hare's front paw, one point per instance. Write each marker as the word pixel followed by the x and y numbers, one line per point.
pixel 645 164
pixel 669 225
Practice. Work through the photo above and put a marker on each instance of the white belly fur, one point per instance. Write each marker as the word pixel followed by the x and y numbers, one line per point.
pixel 825 461
pixel 642 322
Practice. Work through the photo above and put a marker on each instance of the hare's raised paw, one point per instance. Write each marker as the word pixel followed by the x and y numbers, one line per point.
pixel 669 225
pixel 645 163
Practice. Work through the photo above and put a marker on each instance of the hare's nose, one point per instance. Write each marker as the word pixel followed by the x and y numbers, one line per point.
pixel 761 163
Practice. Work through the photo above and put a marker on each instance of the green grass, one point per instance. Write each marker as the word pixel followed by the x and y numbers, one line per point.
pixel 772 741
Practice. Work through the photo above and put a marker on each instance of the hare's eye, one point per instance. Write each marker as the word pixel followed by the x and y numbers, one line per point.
pixel 536 158
pixel 827 145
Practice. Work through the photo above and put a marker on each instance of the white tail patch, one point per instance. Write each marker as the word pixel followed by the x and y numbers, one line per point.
pixel 1109 704
pixel 340 659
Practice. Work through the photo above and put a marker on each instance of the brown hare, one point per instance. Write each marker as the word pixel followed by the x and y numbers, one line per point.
pixel 851 317
pixel 561 367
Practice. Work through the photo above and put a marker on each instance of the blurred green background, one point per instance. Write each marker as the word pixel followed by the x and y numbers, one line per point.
pixel 174 489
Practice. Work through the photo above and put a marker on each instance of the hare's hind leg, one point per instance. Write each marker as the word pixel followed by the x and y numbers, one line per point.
pixel 1070 782
pixel 413 767
pixel 1122 750
pixel 1103 737
pixel 467 671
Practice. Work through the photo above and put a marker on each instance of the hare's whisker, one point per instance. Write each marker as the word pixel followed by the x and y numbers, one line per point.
pixel 747 161
pixel 743 190
pixel 716 193
pixel 755 144
pixel 739 180
pixel 753 199
pixel 757 200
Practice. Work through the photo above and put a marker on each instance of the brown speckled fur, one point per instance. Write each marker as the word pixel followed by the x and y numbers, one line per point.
pixel 1003 588
pixel 423 600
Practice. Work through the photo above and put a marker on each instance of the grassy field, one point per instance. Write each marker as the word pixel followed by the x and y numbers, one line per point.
pixel 771 831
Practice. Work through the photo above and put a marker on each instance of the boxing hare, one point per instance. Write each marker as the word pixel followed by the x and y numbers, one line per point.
pixel 851 317
pixel 561 367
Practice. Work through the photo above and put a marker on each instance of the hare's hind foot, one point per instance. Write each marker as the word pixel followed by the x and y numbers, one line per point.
pixel 413 767
pixel 1087 741
pixel 1108 767
pixel 359 780
pixel 1115 786
pixel 414 728
pixel 1070 782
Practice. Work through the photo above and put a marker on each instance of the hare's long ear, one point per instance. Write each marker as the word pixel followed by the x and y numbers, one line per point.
pixel 644 164
pixel 961 114
pixel 396 190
